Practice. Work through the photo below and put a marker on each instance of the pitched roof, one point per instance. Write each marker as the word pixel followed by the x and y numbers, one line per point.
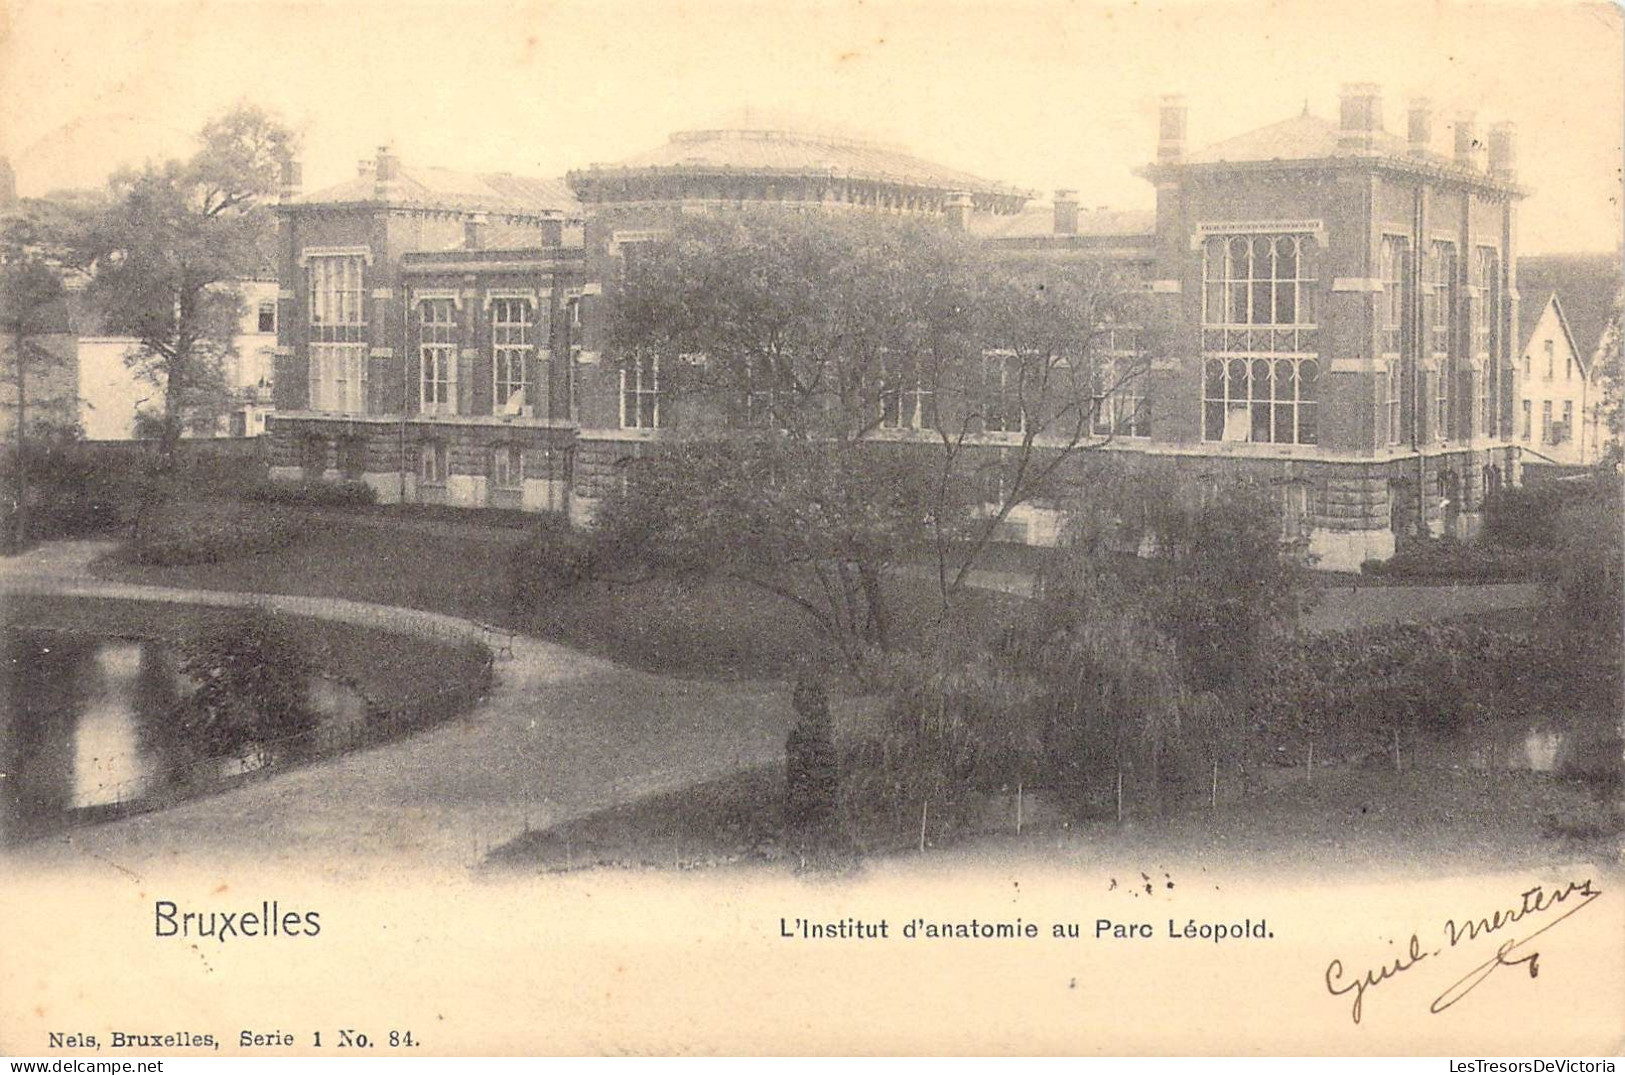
pixel 445 188
pixel 794 151
pixel 1303 137
pixel 1586 286
pixel 1037 221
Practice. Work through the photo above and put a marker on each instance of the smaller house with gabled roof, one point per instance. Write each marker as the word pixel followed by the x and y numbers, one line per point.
pixel 1566 321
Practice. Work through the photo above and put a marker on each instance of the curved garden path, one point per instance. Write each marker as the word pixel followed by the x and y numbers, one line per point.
pixel 561 733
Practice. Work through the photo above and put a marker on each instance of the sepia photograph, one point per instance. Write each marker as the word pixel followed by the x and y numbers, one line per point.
pixel 823 527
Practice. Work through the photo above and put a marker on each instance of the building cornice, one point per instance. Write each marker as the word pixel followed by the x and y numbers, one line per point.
pixel 1443 173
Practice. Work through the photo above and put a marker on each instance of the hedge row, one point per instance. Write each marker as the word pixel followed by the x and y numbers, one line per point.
pixel 1455 561
pixel 211 532
pixel 313 493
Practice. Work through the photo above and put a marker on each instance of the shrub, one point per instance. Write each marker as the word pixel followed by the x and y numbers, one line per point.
pixel 318 494
pixel 251 692
pixel 74 491
pixel 553 559
pixel 1584 576
pixel 1525 516
pixel 1446 560
pixel 208 532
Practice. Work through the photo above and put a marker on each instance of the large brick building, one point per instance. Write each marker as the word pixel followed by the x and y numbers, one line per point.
pixel 1344 317
pixel 428 335
pixel 1342 303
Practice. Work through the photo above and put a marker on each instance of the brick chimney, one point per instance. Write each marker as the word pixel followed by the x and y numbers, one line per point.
pixel 1467 147
pixel 474 231
pixel 1421 127
pixel 1171 130
pixel 957 208
pixel 291 179
pixel 1504 151
pixel 1359 115
pixel 386 172
pixel 1066 212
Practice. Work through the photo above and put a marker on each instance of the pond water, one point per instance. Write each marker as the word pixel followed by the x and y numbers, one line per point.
pixel 87 727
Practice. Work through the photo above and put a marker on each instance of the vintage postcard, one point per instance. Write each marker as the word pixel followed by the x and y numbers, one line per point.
pixel 847 527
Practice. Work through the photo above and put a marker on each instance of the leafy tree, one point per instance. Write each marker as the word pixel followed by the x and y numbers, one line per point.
pixel 252 679
pixel 1612 376
pixel 854 367
pixel 31 308
pixel 163 249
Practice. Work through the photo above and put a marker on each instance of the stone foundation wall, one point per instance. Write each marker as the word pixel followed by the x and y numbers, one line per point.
pixel 1353 511
pixel 371 452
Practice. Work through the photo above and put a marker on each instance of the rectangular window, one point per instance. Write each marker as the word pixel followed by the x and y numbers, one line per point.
pixel 313 456
pixel 640 392
pixel 1551 358
pixel 1565 432
pixel 1486 336
pixel 1441 402
pixel 437 356
pixel 1002 393
pixel 432 463
pixel 512 345
pixel 508 467
pixel 267 317
pixel 1546 430
pixel 1259 339
pixel 1442 313
pixel 1487 310
pixel 1118 401
pixel 1442 282
pixel 990 484
pixel 762 398
pixel 1391 405
pixel 338 334
pixel 352 457
pixel 906 400
pixel 1528 419
pixel 1294 512
pixel 337 298
pixel 338 377
pixel 1261 400
pixel 1257 280
pixel 1395 292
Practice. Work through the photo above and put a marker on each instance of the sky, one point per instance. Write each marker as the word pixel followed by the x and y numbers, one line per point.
pixel 1037 94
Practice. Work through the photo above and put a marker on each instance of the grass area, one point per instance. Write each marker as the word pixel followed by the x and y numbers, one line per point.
pixel 392 670
pixel 725 628
pixel 692 627
pixel 1352 819
pixel 459 574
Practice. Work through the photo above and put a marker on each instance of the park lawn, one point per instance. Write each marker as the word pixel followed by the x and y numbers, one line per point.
pixel 460 572
pixel 704 627
pixel 1350 821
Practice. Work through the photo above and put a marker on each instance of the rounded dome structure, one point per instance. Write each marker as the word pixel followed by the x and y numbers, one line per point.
pixel 754 158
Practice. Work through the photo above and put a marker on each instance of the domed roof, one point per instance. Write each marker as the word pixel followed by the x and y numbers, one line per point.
pixel 752 142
